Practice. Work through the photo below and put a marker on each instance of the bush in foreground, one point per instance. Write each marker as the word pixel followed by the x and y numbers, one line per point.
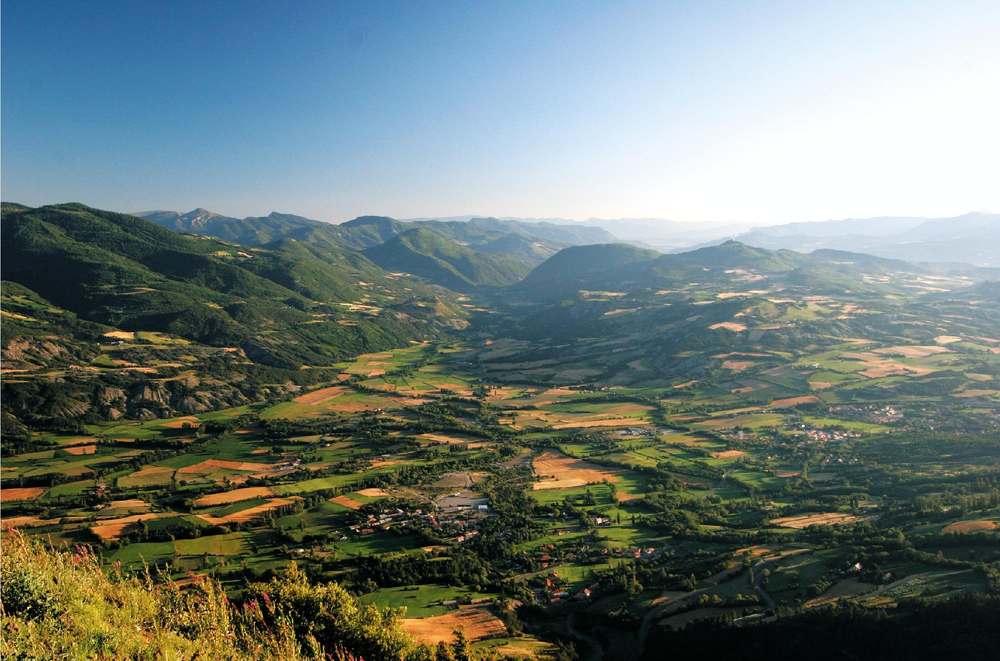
pixel 62 604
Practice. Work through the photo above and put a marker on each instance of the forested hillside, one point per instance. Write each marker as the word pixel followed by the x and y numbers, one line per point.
pixel 283 306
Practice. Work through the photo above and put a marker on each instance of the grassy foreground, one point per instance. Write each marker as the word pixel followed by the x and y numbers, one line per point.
pixel 61 604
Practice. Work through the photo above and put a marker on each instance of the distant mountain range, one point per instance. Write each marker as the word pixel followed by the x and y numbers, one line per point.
pixel 659 233
pixel 460 255
pixel 366 231
pixel 970 238
pixel 973 238
pixel 621 267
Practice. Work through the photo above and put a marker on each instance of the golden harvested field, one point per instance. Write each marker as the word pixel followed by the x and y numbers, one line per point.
pixel 384 402
pixel 347 501
pixel 729 454
pixel 253 512
pixel 980 525
pixel 15 494
pixel 120 335
pixel 877 365
pixel 321 395
pixel 234 496
pixel 81 449
pixel 373 492
pixel 756 551
pixel 127 506
pixel 680 438
pixel 179 423
pixel 455 387
pixel 619 415
pixel 477 623
pixel 526 648
pixel 600 422
pixel 250 513
pixel 452 440
pixel 111 529
pixel 914 351
pixel 733 326
pixel 559 471
pixel 890 368
pixel 554 395
pixel 26 522
pixel 443 438
pixel 209 465
pixel 737 365
pixel 800 521
pixel 789 402
pixel 737 411
pixel 147 475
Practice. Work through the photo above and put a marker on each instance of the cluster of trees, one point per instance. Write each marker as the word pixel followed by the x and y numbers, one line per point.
pixel 512 520
pixel 460 568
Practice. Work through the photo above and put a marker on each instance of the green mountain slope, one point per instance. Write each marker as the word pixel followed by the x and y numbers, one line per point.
pixel 621 267
pixel 600 266
pixel 736 255
pixel 528 241
pixel 434 257
pixel 279 305
pixel 253 231
pixel 367 231
pixel 550 237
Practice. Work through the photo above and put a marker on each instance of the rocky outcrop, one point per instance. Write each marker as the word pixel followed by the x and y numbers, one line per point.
pixel 144 414
pixel 84 397
pixel 30 352
pixel 111 402
pixel 112 397
pixel 149 393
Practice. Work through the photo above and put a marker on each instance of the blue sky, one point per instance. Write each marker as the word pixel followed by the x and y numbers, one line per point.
pixel 750 111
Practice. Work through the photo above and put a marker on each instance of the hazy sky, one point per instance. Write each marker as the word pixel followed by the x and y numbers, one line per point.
pixel 754 111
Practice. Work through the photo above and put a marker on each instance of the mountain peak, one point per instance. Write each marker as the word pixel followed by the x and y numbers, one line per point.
pixel 200 212
pixel 369 220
